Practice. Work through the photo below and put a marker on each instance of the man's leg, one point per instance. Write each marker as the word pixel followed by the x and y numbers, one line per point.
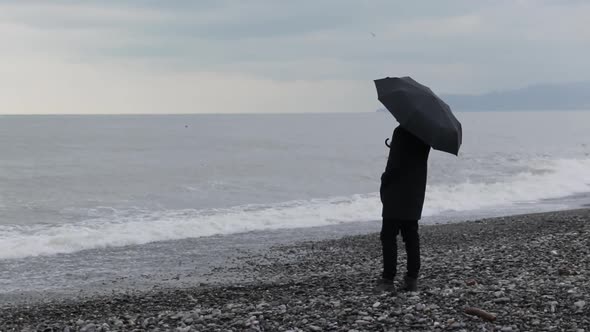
pixel 409 230
pixel 389 230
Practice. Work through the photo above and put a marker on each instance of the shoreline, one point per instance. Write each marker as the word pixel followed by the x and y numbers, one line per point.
pixel 179 263
pixel 531 270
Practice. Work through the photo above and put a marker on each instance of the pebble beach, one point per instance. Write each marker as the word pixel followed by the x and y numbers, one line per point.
pixel 516 273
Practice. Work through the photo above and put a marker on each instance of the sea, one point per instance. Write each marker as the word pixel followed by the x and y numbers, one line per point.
pixel 97 202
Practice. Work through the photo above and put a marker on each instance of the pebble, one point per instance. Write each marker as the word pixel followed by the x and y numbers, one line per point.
pixel 499 294
pixel 89 328
pixel 579 305
pixel 502 300
pixel 457 325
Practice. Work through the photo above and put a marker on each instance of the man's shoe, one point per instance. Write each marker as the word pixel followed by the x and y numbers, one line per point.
pixel 385 285
pixel 411 284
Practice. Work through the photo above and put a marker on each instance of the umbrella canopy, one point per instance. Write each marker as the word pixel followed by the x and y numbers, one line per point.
pixel 421 112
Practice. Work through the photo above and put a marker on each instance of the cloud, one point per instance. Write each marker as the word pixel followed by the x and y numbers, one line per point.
pixel 65 88
pixel 170 57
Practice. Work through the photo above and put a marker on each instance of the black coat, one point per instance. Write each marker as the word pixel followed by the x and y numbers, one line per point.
pixel 403 183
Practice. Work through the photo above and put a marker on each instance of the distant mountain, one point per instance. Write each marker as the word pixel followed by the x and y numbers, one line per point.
pixel 568 96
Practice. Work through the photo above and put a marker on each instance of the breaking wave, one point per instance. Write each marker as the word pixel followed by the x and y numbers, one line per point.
pixel 108 227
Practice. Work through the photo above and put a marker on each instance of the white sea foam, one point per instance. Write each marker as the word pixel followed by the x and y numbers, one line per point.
pixel 110 227
pixel 546 179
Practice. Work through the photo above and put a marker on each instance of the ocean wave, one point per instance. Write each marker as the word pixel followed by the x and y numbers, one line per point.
pixel 109 227
pixel 545 179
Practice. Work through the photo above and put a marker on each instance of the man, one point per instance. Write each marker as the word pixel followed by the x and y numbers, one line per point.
pixel 403 185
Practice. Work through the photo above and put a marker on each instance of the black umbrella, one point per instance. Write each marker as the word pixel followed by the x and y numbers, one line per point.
pixel 421 112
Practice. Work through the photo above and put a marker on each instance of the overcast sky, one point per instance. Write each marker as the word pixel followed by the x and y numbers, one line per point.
pixel 215 56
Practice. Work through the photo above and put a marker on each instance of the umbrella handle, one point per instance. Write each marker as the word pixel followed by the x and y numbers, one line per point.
pixel 386 140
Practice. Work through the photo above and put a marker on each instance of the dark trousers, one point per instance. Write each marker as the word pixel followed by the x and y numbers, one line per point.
pixel 409 230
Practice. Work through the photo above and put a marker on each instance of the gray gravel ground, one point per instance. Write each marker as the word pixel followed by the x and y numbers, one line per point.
pixel 532 272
